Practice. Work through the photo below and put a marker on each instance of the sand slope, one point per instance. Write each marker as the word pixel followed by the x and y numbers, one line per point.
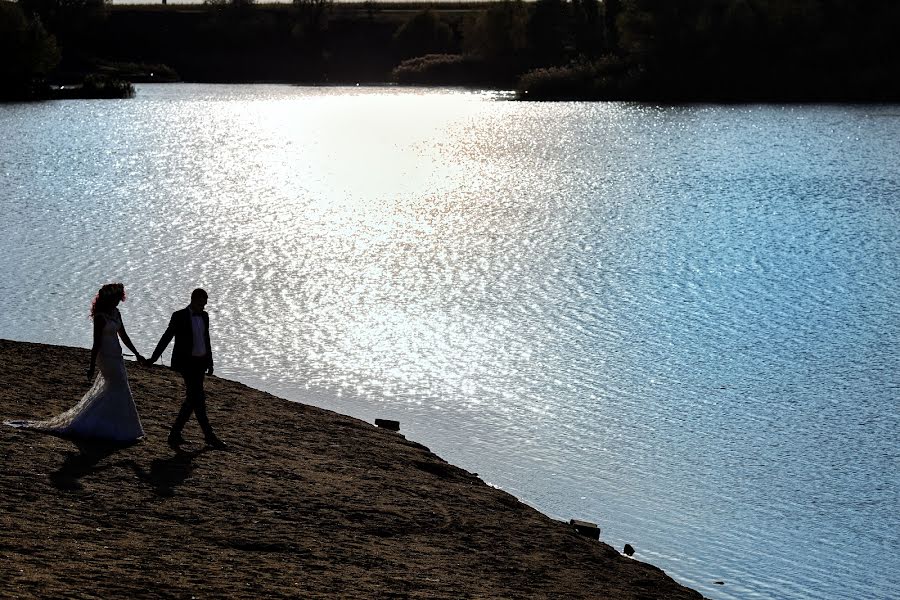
pixel 306 504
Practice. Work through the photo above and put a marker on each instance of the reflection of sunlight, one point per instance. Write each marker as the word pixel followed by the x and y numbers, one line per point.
pixel 361 168
pixel 340 218
pixel 351 151
pixel 381 340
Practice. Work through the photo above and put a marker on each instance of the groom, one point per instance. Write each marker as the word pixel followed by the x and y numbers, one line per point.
pixel 192 357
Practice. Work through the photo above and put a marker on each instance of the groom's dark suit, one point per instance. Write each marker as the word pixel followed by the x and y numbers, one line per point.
pixel 181 329
pixel 187 360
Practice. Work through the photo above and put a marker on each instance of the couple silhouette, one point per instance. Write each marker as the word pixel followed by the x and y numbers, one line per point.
pixel 107 411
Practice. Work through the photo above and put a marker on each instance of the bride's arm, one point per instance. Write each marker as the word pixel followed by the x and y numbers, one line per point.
pixel 127 340
pixel 98 338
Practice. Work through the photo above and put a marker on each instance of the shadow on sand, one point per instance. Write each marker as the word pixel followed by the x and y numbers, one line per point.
pixel 84 462
pixel 166 474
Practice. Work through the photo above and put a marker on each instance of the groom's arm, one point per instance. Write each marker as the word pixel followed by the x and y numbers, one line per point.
pixel 209 368
pixel 163 341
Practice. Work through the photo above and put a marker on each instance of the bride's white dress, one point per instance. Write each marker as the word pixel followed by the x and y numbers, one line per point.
pixel 107 410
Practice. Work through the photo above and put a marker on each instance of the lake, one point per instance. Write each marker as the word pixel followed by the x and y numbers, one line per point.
pixel 679 322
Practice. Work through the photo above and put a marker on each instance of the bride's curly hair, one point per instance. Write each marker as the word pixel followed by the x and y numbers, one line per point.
pixel 107 295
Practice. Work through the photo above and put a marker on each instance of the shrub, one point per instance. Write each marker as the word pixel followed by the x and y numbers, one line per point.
pixel 96 86
pixel 138 72
pixel 99 86
pixel 441 69
pixel 604 79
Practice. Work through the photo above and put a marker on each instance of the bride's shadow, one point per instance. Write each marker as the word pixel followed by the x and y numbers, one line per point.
pixel 84 462
pixel 166 474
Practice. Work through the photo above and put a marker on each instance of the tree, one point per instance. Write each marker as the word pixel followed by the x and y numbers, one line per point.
pixel 588 27
pixel 73 22
pixel 547 32
pixel 611 10
pixel 311 20
pixel 424 33
pixel 499 32
pixel 28 51
pixel 648 27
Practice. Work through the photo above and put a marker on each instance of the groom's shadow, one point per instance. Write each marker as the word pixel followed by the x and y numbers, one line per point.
pixel 84 462
pixel 166 474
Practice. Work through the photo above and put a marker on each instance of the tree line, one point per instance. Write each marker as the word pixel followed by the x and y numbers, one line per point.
pixel 713 50
pixel 592 49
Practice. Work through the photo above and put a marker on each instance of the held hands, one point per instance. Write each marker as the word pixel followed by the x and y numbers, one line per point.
pixel 209 371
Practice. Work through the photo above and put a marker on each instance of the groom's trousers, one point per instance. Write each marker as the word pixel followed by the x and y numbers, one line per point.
pixel 194 399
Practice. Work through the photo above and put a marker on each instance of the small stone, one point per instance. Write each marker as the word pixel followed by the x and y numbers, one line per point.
pixel 388 424
pixel 718 583
pixel 586 528
pixel 628 550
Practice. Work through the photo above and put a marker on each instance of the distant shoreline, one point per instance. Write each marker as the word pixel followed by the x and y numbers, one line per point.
pixel 308 503
pixel 361 43
pixel 735 51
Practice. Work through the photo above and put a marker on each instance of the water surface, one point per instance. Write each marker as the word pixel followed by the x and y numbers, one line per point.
pixel 680 322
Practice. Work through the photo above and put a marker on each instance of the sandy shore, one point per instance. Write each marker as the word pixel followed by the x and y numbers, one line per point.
pixel 306 504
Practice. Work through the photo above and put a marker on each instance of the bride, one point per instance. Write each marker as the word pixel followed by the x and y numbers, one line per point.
pixel 107 410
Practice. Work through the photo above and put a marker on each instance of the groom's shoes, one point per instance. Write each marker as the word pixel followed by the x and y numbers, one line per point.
pixel 216 443
pixel 176 440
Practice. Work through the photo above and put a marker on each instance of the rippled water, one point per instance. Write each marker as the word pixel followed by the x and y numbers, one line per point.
pixel 680 322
